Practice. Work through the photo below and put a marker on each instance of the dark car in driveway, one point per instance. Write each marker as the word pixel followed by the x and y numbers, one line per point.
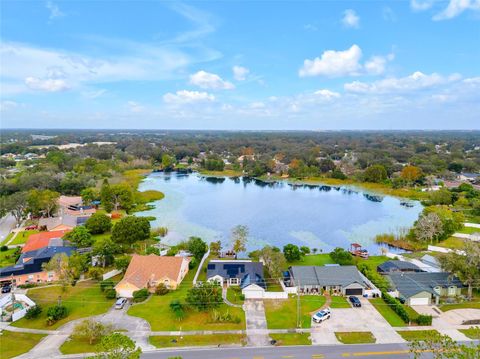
pixel 355 301
pixel 6 289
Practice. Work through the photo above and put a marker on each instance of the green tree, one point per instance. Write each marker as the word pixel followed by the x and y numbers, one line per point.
pixel 465 267
pixel 168 162
pixel 106 196
pixel 274 261
pixel 443 196
pixel 205 296
pixel 131 229
pixel 91 331
pixel 117 346
pixel 121 263
pixel 375 173
pixel 89 195
pixel 443 347
pixel 215 248
pixel 17 205
pixel 292 252
pixel 428 228
pixel 105 249
pixel 305 250
pixel 122 196
pixel 197 247
pixel 60 265
pixel 42 202
pixel 98 223
pixel 239 238
pixel 79 237
pixel 341 256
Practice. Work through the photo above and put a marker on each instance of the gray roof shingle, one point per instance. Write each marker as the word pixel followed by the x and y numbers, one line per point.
pixel 409 284
pixel 326 275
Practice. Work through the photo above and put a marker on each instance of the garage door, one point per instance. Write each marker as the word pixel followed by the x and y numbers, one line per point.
pixel 253 294
pixel 354 291
pixel 419 301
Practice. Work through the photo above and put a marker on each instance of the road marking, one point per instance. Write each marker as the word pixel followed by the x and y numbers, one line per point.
pixel 317 356
pixel 287 356
pixel 345 354
pixel 398 352
pixel 258 358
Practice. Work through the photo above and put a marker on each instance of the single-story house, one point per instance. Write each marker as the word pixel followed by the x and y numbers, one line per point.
pixel 44 239
pixel 338 280
pixel 149 271
pixel 63 223
pixel 28 268
pixel 420 288
pixel 73 206
pixel 240 273
pixel 393 266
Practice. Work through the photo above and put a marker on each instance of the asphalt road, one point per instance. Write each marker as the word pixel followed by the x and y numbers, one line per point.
pixel 7 223
pixel 379 351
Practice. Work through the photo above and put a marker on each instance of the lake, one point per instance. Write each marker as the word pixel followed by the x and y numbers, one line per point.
pixel 317 216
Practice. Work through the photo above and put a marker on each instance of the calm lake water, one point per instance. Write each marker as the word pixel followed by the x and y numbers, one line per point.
pixel 322 217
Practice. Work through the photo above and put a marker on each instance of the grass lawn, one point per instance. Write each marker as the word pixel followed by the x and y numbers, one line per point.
pixel 452 243
pixel 355 337
pixel 387 312
pixel 7 257
pixel 410 335
pixel 373 261
pixel 292 339
pixel 167 341
pixel 77 346
pixel 234 294
pixel 472 333
pixel 469 230
pixel 22 237
pixel 157 312
pixel 83 300
pixel 473 304
pixel 7 238
pixel 13 344
pixel 339 302
pixel 281 314
pixel 313 260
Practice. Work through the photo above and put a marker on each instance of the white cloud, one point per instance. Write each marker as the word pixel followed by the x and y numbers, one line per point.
pixel 333 63
pixel 415 81
pixel 456 7
pixel 185 96
pixel 257 105
pixel 421 5
pixel 48 84
pixel 327 94
pixel 350 19
pixel 207 80
pixel 240 73
pixel 7 105
pixel 376 64
pixel 54 10
pixel 135 107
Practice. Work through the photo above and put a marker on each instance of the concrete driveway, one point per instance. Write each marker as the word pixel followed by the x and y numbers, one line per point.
pixel 363 319
pixel 257 334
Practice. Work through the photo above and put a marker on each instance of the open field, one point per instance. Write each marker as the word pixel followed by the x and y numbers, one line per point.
pixel 281 314
pixel 166 341
pixel 83 300
pixel 13 344
pixel 355 337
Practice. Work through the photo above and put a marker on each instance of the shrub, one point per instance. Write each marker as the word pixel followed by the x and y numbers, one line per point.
pixel 106 284
pixel 377 279
pixel 423 319
pixel 121 263
pixel 3 248
pixel 33 312
pixel 341 256
pixel 110 293
pixel 177 308
pixel 226 317
pixel 56 313
pixel 95 273
pixel 192 264
pixel 396 306
pixel 98 223
pixel 140 295
pixel 161 289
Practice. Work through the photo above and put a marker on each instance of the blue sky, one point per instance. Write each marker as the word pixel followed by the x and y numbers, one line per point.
pixel 240 65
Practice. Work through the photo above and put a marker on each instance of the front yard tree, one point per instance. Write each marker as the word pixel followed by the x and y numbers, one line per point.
pixel 131 229
pixel 91 331
pixel 292 252
pixel 98 223
pixel 42 202
pixel 60 265
pixel 105 249
pixel 17 205
pixel 239 238
pixel 443 347
pixel 465 267
pixel 79 237
pixel 117 346
pixel 106 196
pixel 205 296
pixel 428 228
pixel 197 247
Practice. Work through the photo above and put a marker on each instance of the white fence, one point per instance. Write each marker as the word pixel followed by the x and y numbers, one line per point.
pixel 16 315
pixel 111 274
pixel 288 290
pixel 373 291
pixel 275 295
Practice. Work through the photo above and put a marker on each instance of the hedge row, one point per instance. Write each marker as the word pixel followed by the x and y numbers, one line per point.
pixel 398 308
pixel 377 279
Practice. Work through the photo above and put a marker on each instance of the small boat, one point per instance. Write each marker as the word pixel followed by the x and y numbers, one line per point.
pixel 357 251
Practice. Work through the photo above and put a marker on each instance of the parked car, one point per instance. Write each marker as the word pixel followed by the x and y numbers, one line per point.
pixel 355 301
pixel 32 227
pixel 6 289
pixel 322 315
pixel 120 303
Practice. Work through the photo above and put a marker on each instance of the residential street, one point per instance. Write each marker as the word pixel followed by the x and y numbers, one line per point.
pixel 7 223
